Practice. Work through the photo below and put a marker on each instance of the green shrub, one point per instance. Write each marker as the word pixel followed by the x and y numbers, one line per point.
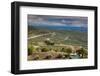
pixel 44 49
pixel 63 50
pixel 49 42
pixel 82 52
pixel 30 50
pixel 69 50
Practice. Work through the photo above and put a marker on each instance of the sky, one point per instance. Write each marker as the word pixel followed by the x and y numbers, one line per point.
pixel 48 20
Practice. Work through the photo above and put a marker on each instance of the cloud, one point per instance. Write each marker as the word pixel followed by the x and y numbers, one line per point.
pixel 57 20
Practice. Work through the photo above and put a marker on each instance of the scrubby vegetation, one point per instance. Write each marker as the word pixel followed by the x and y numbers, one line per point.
pixel 64 52
pixel 62 45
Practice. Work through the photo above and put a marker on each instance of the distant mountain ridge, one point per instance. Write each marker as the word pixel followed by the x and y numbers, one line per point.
pixel 70 28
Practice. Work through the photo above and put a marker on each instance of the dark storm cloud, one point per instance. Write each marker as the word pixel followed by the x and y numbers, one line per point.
pixel 58 20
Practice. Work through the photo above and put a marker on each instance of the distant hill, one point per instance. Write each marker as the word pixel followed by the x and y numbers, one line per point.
pixel 69 36
pixel 69 28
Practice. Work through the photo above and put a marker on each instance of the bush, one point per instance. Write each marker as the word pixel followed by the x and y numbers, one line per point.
pixel 48 57
pixel 59 56
pixel 82 52
pixel 36 57
pixel 30 50
pixel 44 49
pixel 49 42
pixel 69 50
pixel 63 50
pixel 66 56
